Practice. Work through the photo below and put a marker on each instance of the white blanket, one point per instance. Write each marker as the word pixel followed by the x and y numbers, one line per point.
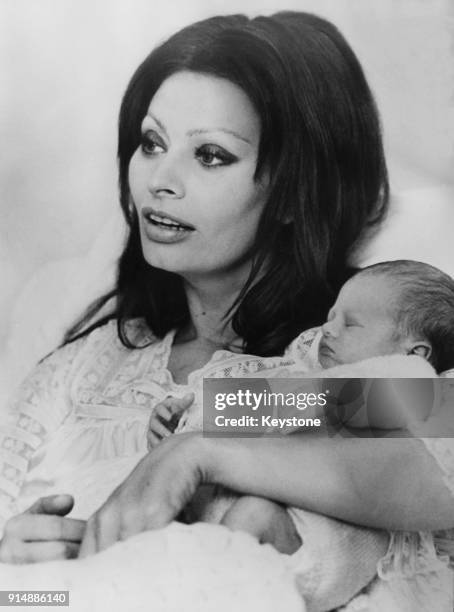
pixel 201 567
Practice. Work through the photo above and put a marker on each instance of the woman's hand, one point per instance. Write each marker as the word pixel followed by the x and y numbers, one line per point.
pixel 41 533
pixel 154 493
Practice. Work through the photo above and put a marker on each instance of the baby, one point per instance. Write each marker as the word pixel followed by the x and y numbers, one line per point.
pixel 400 307
pixel 397 307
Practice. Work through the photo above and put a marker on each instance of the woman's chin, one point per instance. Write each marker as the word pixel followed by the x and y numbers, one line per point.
pixel 167 262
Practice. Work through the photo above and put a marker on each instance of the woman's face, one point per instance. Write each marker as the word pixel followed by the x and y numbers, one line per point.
pixel 192 178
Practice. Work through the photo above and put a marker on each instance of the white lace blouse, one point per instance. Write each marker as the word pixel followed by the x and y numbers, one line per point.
pixel 90 401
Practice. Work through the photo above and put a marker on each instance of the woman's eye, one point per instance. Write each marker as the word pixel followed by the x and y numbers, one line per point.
pixel 151 144
pixel 212 156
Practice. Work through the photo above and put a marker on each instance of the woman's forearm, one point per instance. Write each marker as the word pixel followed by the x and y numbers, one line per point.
pixel 384 483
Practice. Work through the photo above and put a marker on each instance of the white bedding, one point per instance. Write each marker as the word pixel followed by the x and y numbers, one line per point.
pixel 199 568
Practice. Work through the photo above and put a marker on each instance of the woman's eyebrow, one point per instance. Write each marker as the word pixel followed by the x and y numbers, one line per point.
pixel 158 123
pixel 219 129
pixel 201 130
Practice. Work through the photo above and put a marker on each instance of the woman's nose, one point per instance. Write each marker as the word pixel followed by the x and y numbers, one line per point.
pixel 166 180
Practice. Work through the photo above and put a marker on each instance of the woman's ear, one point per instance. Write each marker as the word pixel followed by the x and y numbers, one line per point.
pixel 421 348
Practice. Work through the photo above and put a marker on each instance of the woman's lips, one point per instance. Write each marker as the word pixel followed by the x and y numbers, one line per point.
pixel 164 228
pixel 158 216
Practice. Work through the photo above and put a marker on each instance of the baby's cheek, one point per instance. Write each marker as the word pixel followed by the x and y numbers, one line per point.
pixel 361 348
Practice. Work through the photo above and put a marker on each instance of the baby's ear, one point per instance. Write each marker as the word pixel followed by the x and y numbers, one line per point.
pixel 421 348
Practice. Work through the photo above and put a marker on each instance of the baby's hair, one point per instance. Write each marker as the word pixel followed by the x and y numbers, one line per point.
pixel 424 305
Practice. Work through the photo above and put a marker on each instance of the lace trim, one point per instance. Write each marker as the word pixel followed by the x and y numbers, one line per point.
pixel 302 345
pixel 39 408
pixel 444 545
pixel 114 375
pixel 409 554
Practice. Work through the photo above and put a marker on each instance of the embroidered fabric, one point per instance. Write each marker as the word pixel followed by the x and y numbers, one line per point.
pixel 409 553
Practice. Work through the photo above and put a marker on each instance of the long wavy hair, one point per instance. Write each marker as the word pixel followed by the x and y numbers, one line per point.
pixel 321 145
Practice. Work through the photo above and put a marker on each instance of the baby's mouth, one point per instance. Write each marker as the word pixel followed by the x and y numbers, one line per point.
pixel 325 348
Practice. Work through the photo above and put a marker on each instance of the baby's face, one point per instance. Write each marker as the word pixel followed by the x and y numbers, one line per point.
pixel 360 324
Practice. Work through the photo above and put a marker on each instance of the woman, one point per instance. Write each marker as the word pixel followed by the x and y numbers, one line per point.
pixel 250 163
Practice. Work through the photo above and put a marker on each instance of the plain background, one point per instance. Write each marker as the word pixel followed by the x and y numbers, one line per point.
pixel 64 65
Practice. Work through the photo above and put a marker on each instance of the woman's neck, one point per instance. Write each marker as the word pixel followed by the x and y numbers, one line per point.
pixel 208 303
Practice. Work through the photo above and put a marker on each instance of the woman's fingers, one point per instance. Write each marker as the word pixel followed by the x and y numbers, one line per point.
pixel 41 533
pixel 52 504
pixel 16 551
pixel 31 527
pixel 30 538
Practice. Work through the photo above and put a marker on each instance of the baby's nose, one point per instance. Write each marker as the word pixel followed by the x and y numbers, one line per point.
pixel 329 330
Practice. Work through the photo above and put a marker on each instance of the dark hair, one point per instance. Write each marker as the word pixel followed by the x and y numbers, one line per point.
pixel 321 144
pixel 424 306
